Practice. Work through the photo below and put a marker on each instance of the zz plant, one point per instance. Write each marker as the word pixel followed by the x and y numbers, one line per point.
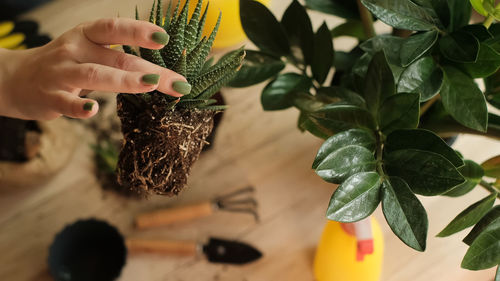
pixel 383 107
pixel 163 135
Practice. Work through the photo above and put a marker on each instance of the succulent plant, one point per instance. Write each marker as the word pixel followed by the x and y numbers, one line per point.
pixel 163 135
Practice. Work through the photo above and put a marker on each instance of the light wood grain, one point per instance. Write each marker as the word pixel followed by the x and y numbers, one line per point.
pixel 262 149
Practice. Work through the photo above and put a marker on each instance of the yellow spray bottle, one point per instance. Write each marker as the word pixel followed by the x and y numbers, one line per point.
pixel 350 252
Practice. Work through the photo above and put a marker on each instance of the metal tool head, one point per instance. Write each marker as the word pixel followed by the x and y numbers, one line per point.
pixel 240 200
pixel 230 252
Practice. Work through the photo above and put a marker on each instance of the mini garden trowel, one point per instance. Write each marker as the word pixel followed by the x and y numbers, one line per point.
pixel 216 250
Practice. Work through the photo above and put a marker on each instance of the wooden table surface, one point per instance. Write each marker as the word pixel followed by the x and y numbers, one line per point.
pixel 262 149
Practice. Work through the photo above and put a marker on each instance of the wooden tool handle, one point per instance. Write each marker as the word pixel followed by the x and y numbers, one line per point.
pixel 180 248
pixel 173 215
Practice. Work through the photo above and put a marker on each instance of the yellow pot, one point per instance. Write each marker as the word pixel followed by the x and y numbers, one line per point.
pixel 335 258
pixel 230 31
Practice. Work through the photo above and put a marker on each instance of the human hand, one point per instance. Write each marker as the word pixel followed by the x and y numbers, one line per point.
pixel 46 82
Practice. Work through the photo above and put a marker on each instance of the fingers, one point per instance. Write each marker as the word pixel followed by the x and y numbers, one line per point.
pixel 126 32
pixel 73 106
pixel 120 60
pixel 104 78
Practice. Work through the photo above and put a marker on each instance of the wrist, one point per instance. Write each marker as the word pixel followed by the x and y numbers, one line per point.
pixel 5 79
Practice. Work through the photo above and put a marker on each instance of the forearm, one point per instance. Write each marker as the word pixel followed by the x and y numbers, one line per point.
pixel 7 68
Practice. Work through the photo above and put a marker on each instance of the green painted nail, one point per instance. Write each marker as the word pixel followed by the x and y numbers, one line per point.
pixel 88 106
pixel 182 87
pixel 160 38
pixel 151 79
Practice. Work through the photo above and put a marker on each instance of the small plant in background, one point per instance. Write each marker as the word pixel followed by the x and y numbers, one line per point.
pixel 387 104
pixel 163 136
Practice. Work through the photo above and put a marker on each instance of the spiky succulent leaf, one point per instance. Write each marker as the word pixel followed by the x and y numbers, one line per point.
pixel 152 13
pixel 153 56
pixel 201 24
pixel 191 33
pixel 216 72
pixel 212 90
pixel 181 64
pixel 159 14
pixel 174 48
pixel 176 10
pixel 206 48
pixel 194 56
pixel 136 13
pixel 215 107
pixel 207 65
pixel 166 22
pixel 191 103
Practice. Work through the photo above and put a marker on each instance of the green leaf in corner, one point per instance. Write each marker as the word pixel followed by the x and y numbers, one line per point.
pixel 423 76
pixel 299 30
pixel 340 8
pixel 472 173
pixel 422 140
pixel 334 94
pixel 351 28
pixel 341 117
pixel 478 6
pixel 491 217
pixel 487 63
pixel 277 94
pixel 391 45
pixel 403 14
pixel 350 137
pixel 379 83
pixel 404 213
pixel 262 28
pixel 257 67
pixel 464 100
pixel 469 216
pixel 356 198
pixel 400 111
pixel 415 46
pixel 323 55
pixel 484 252
pixel 427 173
pixel 345 162
pixel 492 167
pixel 459 46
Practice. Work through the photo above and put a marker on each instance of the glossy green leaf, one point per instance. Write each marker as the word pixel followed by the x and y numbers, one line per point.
pixel 491 8
pixel 460 13
pixel 379 83
pixel 463 99
pixel 404 213
pixel 350 137
pixel 340 8
pixel 262 28
pixel 416 46
pixel 427 173
pixel 484 252
pixel 472 173
pixel 323 53
pixel 403 14
pixel 401 111
pixel 257 67
pixel 334 94
pixel 350 28
pixel 492 167
pixel 423 76
pixel 459 46
pixel 277 94
pixel 422 140
pixel 299 30
pixel 391 45
pixel 492 216
pixel 307 124
pixel 469 216
pixel 355 199
pixel 492 92
pixel 479 31
pixel 487 63
pixel 478 6
pixel 345 162
pixel 340 117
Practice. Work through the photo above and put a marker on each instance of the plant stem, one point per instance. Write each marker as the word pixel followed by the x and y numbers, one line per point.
pixel 366 19
pixel 428 104
pixel 488 187
pixel 488 21
pixel 379 144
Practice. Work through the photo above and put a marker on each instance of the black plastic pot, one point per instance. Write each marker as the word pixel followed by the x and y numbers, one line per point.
pixel 87 250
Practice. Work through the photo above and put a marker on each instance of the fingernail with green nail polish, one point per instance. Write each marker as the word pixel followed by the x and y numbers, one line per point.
pixel 182 87
pixel 88 106
pixel 160 38
pixel 151 79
